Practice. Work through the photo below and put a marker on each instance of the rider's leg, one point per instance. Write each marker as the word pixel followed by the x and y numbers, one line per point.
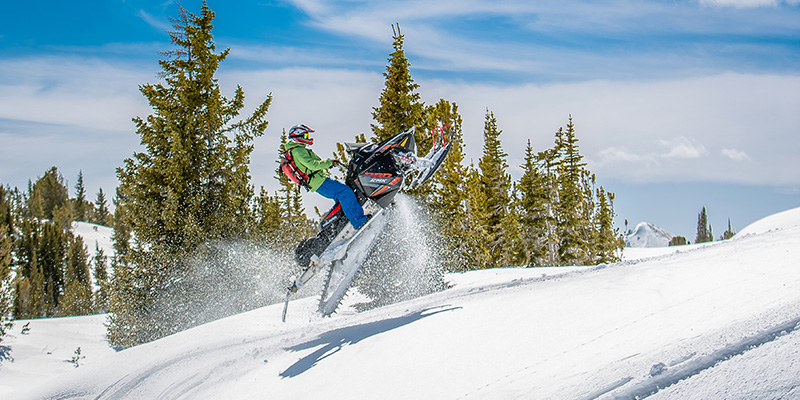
pixel 342 193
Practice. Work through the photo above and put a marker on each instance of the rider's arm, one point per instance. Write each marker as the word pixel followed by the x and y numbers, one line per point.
pixel 308 159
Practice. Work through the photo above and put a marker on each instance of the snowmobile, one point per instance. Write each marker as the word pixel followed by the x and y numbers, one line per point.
pixel 376 173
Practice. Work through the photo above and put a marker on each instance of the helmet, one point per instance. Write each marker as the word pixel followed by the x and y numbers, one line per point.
pixel 301 134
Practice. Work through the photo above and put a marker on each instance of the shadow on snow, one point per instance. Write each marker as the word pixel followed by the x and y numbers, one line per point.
pixel 333 341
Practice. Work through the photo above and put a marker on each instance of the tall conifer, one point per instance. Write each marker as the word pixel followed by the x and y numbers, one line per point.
pixel 79 209
pixel 190 185
pixel 6 285
pixel 77 295
pixel 496 183
pixel 400 104
pixel 704 233
pixel 101 214
pixel 449 187
pixel 534 208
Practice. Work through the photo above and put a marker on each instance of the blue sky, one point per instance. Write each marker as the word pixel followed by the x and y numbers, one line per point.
pixel 678 104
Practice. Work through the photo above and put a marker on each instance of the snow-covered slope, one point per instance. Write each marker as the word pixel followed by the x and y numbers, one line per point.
pixel 717 320
pixel 646 234
pixel 95 236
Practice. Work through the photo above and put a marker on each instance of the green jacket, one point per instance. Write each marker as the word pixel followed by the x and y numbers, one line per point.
pixel 309 162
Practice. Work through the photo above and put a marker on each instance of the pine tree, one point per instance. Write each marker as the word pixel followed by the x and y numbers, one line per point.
pixel 77 295
pixel 478 255
pixel 47 195
pixel 189 187
pixel 677 241
pixel 495 183
pixel 448 197
pixel 50 256
pixel 79 210
pixel 572 207
pixel 100 263
pixel 400 105
pixel 7 212
pixel 704 233
pixel 122 230
pixel 548 163
pixel 534 205
pixel 728 233
pixel 6 285
pixel 514 252
pixel 607 239
pixel 267 211
pixel 101 214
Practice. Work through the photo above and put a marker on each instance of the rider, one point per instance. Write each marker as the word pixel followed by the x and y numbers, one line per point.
pixel 310 163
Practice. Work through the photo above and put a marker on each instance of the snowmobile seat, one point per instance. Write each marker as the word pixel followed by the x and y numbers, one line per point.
pixel 354 147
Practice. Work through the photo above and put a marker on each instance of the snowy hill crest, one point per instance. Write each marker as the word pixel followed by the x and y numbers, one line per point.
pixel 646 234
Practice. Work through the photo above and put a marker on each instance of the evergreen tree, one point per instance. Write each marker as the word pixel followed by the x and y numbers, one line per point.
pixel 100 263
pixel 608 240
pixel 677 241
pixel 101 214
pixel 478 255
pixel 6 263
pixel 400 105
pixel 77 296
pixel 571 209
pixel 514 252
pixel 534 207
pixel 79 209
pixel 47 195
pixel 190 186
pixel 268 215
pixel 704 233
pixel 122 230
pixel 448 197
pixel 729 233
pixel 7 212
pixel 495 183
pixel 50 255
pixel 41 252
pixel 548 163
pixel 564 217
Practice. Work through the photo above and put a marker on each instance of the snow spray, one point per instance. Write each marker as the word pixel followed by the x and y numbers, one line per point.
pixel 406 262
pixel 224 278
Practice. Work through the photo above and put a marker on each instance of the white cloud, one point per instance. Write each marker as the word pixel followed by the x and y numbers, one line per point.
pixel 736 155
pixel 161 25
pixel 683 147
pixel 622 125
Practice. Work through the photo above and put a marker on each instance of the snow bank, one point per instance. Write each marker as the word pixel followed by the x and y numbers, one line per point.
pixel 784 220
pixel 718 320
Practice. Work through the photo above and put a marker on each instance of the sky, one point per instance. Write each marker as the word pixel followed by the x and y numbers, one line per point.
pixel 678 105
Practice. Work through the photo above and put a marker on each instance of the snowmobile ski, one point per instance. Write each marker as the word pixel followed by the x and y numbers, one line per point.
pixel 334 255
pixel 341 271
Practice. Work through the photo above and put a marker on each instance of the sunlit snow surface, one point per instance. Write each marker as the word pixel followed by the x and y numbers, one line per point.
pixel 711 321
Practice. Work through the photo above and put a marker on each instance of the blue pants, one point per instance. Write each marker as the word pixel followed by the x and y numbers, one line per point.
pixel 342 193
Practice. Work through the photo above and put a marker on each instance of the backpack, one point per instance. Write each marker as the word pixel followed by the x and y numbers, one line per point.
pixel 290 169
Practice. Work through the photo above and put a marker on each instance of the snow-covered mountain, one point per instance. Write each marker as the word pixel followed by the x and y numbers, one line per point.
pixel 719 320
pixel 646 234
